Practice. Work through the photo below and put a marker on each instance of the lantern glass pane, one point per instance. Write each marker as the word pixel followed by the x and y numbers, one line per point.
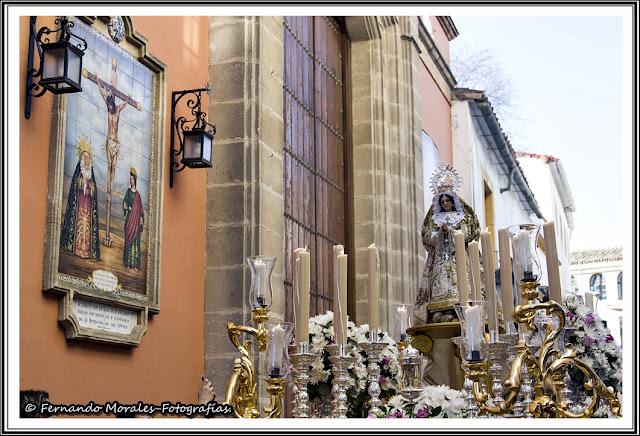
pixel 74 66
pixel 206 148
pixel 53 62
pixel 192 146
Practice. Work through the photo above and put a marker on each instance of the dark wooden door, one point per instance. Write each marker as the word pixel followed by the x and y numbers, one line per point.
pixel 316 174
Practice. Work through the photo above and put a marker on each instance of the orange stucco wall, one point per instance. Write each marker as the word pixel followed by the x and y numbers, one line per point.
pixel 168 363
pixel 440 38
pixel 436 115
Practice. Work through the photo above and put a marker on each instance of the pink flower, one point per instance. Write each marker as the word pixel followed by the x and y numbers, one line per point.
pixel 382 379
pixel 397 414
pixel 589 319
pixel 608 338
pixel 422 413
pixel 588 341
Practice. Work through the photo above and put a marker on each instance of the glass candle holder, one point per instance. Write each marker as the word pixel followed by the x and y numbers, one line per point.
pixel 260 293
pixel 472 318
pixel 403 320
pixel 279 335
pixel 524 239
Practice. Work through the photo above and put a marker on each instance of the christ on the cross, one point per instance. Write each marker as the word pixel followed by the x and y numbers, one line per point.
pixel 109 93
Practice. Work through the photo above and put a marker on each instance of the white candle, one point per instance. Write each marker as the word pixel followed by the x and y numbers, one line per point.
pixel 403 317
pixel 305 258
pixel 522 252
pixel 505 274
pixel 475 331
pixel 277 348
pixel 374 293
pixel 553 269
pixel 261 269
pixel 297 295
pixel 461 267
pixel 341 336
pixel 489 278
pixel 474 259
pixel 337 313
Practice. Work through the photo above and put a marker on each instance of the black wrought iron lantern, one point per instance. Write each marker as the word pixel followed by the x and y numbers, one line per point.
pixel 61 66
pixel 60 61
pixel 195 135
pixel 198 145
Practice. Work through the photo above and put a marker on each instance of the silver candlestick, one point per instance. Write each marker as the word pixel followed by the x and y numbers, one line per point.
pixel 527 389
pixel 471 409
pixel 497 350
pixel 341 359
pixel 301 359
pixel 373 348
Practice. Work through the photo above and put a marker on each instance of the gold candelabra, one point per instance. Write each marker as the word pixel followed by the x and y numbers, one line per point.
pixel 546 370
pixel 242 393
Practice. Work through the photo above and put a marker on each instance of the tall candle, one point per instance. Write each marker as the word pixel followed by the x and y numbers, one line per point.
pixel 505 274
pixel 337 313
pixel 305 258
pixel 297 295
pixel 461 267
pixel 489 278
pixel 277 348
pixel 337 250
pixel 374 293
pixel 341 336
pixel 553 269
pixel 474 259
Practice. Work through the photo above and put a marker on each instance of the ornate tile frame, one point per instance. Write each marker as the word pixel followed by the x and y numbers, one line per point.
pixel 70 288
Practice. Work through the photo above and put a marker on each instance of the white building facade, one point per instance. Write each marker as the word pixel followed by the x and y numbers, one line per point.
pixel 493 182
pixel 597 275
pixel 550 186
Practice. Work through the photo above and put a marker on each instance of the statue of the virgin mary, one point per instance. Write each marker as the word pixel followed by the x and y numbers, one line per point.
pixel 438 290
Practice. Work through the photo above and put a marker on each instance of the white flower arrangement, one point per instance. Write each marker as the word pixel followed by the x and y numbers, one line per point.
pixel 320 378
pixel 435 402
pixel 594 343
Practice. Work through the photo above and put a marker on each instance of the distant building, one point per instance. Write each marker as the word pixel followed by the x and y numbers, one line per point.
pixel 552 191
pixel 599 272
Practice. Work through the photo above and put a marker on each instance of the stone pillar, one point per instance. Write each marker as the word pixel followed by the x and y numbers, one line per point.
pixel 245 203
pixel 387 158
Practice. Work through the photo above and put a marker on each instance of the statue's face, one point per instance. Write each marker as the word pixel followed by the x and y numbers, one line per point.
pixel 86 160
pixel 446 204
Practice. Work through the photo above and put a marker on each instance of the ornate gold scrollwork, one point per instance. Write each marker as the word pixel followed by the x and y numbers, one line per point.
pixel 546 370
pixel 241 389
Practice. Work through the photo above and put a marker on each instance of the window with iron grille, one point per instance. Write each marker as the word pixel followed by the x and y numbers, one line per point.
pixel 597 286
